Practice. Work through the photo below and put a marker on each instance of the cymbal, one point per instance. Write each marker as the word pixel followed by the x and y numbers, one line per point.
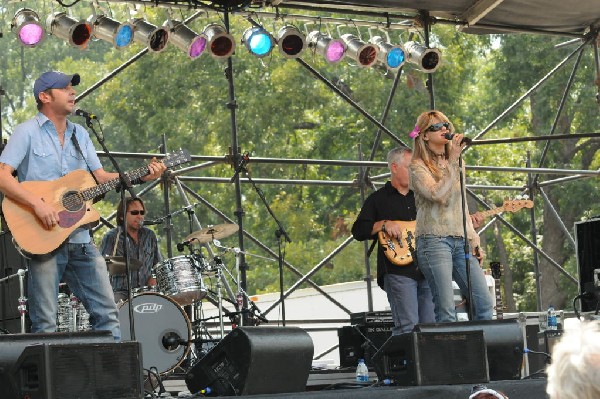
pixel 210 233
pixel 116 265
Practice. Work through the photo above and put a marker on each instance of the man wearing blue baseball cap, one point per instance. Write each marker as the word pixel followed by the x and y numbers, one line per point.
pixel 45 148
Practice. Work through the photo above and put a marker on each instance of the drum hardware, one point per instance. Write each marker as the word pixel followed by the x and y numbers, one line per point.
pixel 22 307
pixel 116 265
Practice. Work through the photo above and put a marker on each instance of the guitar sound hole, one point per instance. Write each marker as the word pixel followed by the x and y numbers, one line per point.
pixel 72 201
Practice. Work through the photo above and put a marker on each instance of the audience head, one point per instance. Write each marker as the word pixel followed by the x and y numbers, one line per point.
pixel 575 369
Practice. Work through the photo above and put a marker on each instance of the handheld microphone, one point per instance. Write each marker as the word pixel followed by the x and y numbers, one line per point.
pixel 85 114
pixel 243 160
pixel 151 222
pixel 465 140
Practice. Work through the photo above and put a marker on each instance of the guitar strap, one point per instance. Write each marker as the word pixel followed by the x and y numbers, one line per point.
pixel 76 144
pixel 372 247
pixel 91 225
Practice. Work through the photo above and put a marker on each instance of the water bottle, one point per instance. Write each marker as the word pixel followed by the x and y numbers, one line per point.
pixel 552 319
pixel 362 372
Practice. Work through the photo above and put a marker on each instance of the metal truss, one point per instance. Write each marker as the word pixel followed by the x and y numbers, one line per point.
pixel 364 182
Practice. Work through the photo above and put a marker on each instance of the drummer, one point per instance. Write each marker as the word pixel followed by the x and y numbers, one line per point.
pixel 143 248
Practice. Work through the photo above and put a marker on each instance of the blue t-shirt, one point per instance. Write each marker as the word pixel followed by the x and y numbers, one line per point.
pixel 35 152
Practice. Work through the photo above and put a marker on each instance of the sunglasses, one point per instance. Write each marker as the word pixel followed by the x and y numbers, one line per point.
pixel 136 212
pixel 438 126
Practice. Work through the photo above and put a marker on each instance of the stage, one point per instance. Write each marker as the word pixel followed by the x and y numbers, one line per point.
pixel 340 384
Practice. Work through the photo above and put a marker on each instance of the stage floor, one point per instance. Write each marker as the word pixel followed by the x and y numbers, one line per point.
pixel 329 384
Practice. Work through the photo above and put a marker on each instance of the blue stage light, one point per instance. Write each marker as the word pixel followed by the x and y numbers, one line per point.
pixel 258 41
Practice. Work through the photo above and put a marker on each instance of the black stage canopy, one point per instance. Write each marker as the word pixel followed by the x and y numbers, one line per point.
pixel 566 17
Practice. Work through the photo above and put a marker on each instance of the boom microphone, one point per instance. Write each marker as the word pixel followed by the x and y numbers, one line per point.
pixel 85 114
pixel 465 140
pixel 151 222
pixel 182 245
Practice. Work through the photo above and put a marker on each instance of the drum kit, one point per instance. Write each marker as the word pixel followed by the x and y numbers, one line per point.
pixel 167 320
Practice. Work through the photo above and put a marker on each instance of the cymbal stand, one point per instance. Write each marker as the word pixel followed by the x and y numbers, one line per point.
pixel 22 298
pixel 219 265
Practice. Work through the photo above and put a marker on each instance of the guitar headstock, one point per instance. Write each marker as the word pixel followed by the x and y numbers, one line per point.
pixel 516 205
pixel 496 269
pixel 178 157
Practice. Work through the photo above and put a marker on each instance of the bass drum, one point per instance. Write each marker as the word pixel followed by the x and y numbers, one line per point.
pixel 161 327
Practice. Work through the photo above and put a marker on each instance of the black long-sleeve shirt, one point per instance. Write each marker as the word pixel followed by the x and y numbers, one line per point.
pixel 386 204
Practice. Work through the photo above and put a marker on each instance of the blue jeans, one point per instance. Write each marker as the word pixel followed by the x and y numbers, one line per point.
pixel 410 300
pixel 442 259
pixel 83 269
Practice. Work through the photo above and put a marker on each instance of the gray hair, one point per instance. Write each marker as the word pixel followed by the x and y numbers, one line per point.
pixel 575 369
pixel 396 155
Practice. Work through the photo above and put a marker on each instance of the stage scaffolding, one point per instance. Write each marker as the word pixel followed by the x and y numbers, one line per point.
pixel 184 178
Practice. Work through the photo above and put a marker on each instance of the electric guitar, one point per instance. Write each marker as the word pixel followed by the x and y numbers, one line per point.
pixel 496 269
pixel 399 251
pixel 71 196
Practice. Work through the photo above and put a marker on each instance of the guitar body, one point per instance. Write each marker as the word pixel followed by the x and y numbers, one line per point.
pixel 61 194
pixel 399 252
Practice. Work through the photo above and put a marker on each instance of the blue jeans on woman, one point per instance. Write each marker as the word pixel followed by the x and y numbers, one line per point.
pixel 442 259
pixel 84 270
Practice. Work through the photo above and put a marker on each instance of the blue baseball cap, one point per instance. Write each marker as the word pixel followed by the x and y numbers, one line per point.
pixel 54 80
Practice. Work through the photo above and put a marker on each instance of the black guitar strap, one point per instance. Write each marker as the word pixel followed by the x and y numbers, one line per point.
pixel 76 144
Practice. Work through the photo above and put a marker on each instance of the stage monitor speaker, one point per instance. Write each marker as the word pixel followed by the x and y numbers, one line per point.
pixel 433 358
pixel 587 240
pixel 12 345
pixel 254 360
pixel 61 371
pixel 503 339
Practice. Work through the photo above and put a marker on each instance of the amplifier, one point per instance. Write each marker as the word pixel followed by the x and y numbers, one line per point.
pixel 361 342
pixel 365 318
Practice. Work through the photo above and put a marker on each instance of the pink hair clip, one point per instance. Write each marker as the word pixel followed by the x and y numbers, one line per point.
pixel 415 132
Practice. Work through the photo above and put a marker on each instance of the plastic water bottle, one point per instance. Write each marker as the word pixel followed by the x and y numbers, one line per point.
pixel 362 372
pixel 552 319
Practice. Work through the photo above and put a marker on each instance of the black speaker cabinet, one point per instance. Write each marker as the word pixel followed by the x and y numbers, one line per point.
pixel 433 358
pixel 587 240
pixel 503 339
pixel 254 360
pixel 361 342
pixel 62 371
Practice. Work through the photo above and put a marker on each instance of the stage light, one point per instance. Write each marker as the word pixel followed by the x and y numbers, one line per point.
pixel 77 33
pixel 365 54
pixel 188 41
pixel 426 58
pixel 26 25
pixel 290 41
pixel 333 50
pixel 120 35
pixel 390 55
pixel 258 41
pixel 151 36
pixel 220 43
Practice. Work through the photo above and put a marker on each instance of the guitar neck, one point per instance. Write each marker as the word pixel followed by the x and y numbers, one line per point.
pixel 491 212
pixel 499 304
pixel 100 189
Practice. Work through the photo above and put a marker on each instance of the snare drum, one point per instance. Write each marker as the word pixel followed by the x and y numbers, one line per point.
pixel 160 326
pixel 181 279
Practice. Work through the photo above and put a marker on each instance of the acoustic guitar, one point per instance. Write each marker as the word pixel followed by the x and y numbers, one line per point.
pixel 399 251
pixel 71 196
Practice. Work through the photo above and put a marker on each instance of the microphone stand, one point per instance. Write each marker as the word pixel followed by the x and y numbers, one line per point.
pixel 279 233
pixel 125 185
pixel 466 246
